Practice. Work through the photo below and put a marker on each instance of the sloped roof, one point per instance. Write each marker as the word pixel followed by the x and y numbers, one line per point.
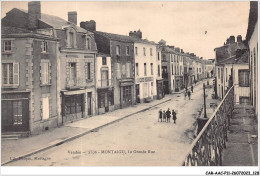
pixel 13 30
pixel 57 22
pixel 243 59
pixel 123 38
pixel 253 16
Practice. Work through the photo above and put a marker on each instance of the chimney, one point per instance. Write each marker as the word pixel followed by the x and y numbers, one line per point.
pixel 72 17
pixel 34 12
pixel 239 38
pixel 137 34
pixel 232 39
pixel 88 25
pixel 182 51
pixel 227 43
pixel 177 49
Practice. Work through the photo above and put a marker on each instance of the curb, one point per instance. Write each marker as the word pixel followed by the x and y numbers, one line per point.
pixel 78 135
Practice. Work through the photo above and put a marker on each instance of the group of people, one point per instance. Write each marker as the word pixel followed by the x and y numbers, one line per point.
pixel 188 92
pixel 165 116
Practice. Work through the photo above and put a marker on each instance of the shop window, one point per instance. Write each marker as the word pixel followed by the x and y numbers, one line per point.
pixel 73 104
pixel 17 112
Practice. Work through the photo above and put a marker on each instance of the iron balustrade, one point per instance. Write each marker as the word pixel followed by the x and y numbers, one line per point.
pixel 104 83
pixel 206 149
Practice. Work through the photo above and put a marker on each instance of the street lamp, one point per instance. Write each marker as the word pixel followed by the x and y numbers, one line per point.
pixel 205 113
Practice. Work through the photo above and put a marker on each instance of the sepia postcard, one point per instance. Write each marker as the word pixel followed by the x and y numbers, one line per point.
pixel 130 83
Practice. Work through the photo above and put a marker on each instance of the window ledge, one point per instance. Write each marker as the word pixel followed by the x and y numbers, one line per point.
pixel 42 85
pixel 44 52
pixel 7 52
pixel 9 86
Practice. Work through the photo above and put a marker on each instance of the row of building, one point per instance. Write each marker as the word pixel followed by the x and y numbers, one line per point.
pixel 55 72
pixel 236 64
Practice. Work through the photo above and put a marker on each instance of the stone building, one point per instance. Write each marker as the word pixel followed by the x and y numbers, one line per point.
pixel 252 41
pixel 121 50
pixel 56 68
pixel 29 62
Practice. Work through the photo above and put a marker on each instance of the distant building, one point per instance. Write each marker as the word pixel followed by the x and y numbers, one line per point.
pixel 232 68
pixel 159 80
pixel 252 40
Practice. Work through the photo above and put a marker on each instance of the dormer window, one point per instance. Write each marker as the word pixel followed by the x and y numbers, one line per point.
pixel 71 38
pixel 44 47
pixel 87 43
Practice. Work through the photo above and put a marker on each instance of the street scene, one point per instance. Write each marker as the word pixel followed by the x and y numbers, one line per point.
pixel 81 88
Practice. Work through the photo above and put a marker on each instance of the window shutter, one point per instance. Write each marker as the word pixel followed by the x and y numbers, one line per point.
pixel 12 45
pixel 16 73
pixel 49 76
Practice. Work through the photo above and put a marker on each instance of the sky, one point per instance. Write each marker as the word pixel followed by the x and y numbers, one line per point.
pixel 195 27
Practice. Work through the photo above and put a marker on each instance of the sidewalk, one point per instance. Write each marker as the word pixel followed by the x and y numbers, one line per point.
pixel 242 144
pixel 23 147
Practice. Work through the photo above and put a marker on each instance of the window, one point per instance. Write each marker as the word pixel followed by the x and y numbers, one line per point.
pixel 71 40
pixel 158 56
pixel 7 45
pixel 118 50
pixel 159 72
pixel 73 104
pixel 45 72
pixel 163 57
pixel 127 50
pixel 171 57
pixel 10 74
pixel 218 73
pixel 145 71
pixel 137 69
pixel 226 75
pixel 221 75
pixel 118 70
pixel 45 108
pixel 151 68
pixel 151 51
pixel 172 69
pixel 144 51
pixel 87 43
pixel 88 71
pixel 128 70
pixel 175 70
pixel 104 61
pixel 243 78
pixel 17 112
pixel 73 73
pixel 136 51
pixel 44 46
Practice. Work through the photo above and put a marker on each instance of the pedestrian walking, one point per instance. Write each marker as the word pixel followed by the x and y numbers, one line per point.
pixel 192 89
pixel 174 116
pixel 189 94
pixel 160 115
pixel 164 116
pixel 168 114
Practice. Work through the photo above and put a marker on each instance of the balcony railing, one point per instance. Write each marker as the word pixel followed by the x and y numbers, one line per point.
pixel 104 83
pixel 75 83
pixel 207 148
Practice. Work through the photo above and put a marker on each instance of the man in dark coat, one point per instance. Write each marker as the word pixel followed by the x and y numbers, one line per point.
pixel 192 89
pixel 174 116
pixel 168 114
pixel 189 94
pixel 160 115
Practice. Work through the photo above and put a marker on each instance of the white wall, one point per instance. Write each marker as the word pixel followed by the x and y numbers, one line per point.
pixel 99 65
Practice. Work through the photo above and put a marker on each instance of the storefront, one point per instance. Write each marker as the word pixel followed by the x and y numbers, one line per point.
pixel 105 100
pixel 160 91
pixel 126 93
pixel 15 112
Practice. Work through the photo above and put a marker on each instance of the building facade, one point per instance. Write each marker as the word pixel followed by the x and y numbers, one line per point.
pixel 252 40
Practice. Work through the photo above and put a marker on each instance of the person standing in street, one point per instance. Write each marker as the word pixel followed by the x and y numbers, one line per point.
pixel 168 114
pixel 160 115
pixel 189 94
pixel 192 88
pixel 174 116
pixel 164 116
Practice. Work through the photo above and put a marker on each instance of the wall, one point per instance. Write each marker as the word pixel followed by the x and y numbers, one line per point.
pixel 253 44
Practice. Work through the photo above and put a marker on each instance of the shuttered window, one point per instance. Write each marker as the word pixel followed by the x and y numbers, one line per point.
pixel 45 72
pixel 10 74
pixel 243 76
pixel 45 108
